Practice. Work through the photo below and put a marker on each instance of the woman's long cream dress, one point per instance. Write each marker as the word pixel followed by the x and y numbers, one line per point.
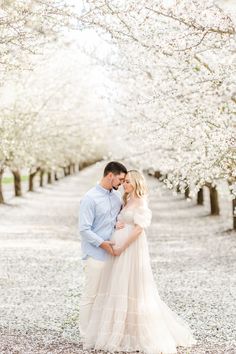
pixel 128 313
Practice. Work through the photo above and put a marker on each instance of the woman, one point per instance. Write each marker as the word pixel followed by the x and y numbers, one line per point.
pixel 128 314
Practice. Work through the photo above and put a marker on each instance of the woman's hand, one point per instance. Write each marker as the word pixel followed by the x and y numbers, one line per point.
pixel 117 250
pixel 119 225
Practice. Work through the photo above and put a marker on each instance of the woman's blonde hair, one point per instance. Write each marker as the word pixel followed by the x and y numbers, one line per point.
pixel 138 182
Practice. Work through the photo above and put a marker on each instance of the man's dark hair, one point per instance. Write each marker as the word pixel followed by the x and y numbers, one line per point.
pixel 115 167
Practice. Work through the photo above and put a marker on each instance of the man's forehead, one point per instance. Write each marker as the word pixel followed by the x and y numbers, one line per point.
pixel 121 175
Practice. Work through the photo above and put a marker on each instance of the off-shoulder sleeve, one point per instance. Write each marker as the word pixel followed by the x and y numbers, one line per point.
pixel 142 216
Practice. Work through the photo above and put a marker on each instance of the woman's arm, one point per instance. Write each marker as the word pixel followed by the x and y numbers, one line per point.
pixel 119 225
pixel 136 232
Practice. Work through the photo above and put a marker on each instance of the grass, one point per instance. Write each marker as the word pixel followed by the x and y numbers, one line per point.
pixel 10 180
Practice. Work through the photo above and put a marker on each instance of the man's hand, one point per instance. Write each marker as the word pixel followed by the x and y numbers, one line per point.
pixel 119 225
pixel 107 246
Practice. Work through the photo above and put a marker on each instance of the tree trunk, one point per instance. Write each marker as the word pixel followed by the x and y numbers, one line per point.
pixel 214 202
pixel 200 197
pixel 56 176
pixel 186 192
pixel 17 183
pixel 41 177
pixel 31 179
pixel 71 169
pixel 1 193
pixel 163 177
pixel 234 213
pixel 233 207
pixel 49 177
pixel 68 170
pixel 178 188
pixel 157 174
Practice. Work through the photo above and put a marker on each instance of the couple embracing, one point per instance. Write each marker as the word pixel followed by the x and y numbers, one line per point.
pixel 120 307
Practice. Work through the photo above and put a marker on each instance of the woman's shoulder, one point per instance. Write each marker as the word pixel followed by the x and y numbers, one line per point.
pixel 138 204
pixel 142 202
pixel 142 213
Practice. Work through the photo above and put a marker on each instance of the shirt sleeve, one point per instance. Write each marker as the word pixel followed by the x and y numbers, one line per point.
pixel 86 218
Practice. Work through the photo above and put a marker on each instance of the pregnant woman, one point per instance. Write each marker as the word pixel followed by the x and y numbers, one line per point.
pixel 128 313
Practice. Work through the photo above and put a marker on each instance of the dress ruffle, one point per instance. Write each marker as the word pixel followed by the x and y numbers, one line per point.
pixel 142 216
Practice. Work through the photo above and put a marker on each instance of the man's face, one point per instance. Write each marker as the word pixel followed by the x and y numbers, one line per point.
pixel 117 180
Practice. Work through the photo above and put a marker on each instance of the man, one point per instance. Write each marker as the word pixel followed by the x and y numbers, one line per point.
pixel 97 218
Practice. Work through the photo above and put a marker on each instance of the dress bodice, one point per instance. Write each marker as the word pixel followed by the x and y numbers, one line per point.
pixel 140 215
pixel 126 216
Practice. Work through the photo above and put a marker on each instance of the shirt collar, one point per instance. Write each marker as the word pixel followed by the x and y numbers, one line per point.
pixel 104 190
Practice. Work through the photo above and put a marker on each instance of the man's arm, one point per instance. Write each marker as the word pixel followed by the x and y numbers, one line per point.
pixel 86 218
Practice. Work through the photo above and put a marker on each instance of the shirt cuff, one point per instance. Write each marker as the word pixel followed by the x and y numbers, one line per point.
pixel 99 242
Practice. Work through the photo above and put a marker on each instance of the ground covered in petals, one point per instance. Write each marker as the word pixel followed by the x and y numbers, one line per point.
pixel 193 259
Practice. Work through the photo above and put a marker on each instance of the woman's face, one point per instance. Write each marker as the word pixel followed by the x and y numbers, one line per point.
pixel 127 184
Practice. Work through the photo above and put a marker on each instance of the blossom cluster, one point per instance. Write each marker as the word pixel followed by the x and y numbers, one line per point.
pixel 173 66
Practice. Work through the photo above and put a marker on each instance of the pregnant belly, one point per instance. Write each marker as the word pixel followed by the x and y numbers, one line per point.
pixel 119 236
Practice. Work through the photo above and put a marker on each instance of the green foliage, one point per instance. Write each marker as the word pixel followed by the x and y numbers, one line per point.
pixel 10 180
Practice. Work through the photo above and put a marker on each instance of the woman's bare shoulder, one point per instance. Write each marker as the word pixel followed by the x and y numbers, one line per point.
pixel 141 202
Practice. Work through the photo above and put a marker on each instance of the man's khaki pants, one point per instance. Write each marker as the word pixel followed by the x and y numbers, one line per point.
pixel 92 271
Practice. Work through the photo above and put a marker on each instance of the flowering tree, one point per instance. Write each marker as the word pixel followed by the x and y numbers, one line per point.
pixel 25 26
pixel 45 110
pixel 50 127
pixel 171 92
pixel 175 77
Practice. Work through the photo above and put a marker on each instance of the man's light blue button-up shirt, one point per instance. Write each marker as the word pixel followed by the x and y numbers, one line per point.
pixel 97 217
